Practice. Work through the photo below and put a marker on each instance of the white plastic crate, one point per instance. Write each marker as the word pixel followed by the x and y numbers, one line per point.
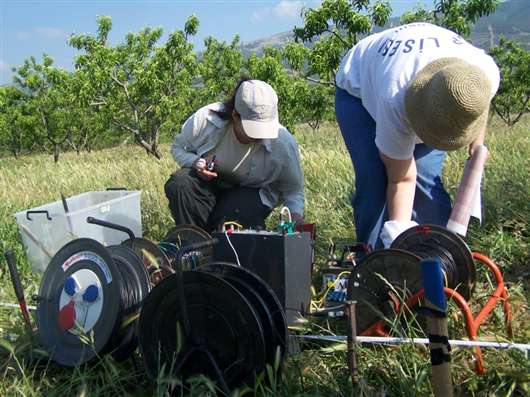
pixel 44 233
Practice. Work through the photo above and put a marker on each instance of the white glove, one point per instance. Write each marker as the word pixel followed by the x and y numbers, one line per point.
pixel 392 229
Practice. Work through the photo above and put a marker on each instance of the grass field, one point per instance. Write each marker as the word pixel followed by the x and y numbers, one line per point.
pixel 318 370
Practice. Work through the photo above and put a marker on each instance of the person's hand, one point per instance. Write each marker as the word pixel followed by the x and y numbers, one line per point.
pixel 200 166
pixel 299 219
pixel 473 146
pixel 392 229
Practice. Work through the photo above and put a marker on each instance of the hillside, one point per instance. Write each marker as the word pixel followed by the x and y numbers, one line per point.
pixel 511 20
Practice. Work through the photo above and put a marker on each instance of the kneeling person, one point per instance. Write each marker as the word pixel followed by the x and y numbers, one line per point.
pixel 237 163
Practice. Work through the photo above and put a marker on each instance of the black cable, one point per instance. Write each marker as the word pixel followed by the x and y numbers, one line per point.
pixel 448 264
pixel 132 289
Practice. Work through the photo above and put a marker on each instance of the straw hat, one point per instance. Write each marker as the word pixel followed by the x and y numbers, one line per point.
pixel 447 103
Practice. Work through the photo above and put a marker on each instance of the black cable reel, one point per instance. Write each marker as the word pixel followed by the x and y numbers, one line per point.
pixel 220 320
pixel 88 302
pixel 384 278
pixel 182 236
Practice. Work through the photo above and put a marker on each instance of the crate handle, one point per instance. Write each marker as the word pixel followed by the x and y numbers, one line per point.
pixel 114 226
pixel 116 188
pixel 38 212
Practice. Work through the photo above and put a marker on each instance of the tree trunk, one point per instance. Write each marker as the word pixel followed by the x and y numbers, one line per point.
pixel 56 150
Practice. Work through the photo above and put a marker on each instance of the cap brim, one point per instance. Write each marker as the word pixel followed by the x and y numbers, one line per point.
pixel 261 129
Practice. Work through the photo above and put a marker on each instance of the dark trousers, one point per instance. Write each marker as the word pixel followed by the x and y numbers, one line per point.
pixel 204 204
pixel 431 202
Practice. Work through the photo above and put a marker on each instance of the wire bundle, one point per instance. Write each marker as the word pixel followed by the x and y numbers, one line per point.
pixel 133 289
pixel 448 264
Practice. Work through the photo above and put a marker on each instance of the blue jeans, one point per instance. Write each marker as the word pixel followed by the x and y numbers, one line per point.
pixel 431 202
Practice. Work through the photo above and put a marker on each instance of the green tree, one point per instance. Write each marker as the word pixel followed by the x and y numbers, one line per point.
pixel 220 67
pixel 141 88
pixel 457 15
pixel 17 123
pixel 49 99
pixel 513 97
pixel 334 27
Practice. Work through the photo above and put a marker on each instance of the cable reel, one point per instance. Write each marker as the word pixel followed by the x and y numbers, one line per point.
pixel 88 299
pixel 456 257
pixel 181 236
pixel 227 325
pixel 152 256
pixel 385 278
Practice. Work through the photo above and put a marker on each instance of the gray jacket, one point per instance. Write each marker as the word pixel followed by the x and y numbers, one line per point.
pixel 274 168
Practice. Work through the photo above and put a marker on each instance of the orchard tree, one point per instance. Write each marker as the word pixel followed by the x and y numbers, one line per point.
pixel 457 15
pixel 220 67
pixel 17 123
pixel 513 97
pixel 87 127
pixel 143 89
pixel 312 99
pixel 334 27
pixel 48 98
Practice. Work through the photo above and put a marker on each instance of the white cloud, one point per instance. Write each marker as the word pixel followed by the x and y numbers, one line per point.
pixel 283 9
pixel 43 32
pixel 259 15
pixel 286 8
pixel 50 33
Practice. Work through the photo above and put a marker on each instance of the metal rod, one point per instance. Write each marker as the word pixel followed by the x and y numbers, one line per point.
pixel 389 340
pixel 17 286
pixel 352 339
pixel 15 306
pixel 36 240
pixel 435 310
pixel 110 225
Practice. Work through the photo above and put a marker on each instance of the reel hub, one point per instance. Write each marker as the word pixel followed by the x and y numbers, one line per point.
pixel 184 235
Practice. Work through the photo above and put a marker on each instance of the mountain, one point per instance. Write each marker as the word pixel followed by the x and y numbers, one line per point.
pixel 511 20
pixel 257 46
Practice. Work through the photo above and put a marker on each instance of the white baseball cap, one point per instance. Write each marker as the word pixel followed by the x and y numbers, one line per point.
pixel 257 104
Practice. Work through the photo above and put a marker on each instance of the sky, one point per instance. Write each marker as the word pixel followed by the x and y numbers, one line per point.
pixel 34 27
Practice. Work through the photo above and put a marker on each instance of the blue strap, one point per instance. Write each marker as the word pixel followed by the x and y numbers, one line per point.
pixel 433 283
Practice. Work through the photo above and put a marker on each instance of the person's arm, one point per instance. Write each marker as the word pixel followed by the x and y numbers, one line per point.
pixel 183 148
pixel 400 187
pixel 479 140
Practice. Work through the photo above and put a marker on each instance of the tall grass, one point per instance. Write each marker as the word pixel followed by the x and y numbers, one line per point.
pixel 317 370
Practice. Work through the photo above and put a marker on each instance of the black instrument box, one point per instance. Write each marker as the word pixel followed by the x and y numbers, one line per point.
pixel 283 261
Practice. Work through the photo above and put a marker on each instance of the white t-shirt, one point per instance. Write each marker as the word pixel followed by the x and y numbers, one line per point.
pixel 380 67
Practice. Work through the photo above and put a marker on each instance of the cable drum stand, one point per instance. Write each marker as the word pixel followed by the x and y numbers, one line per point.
pixel 386 278
pixel 90 296
pixel 88 301
pixel 220 320
pixel 152 256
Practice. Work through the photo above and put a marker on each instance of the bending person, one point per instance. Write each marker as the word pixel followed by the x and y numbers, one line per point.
pixel 237 163
pixel 404 97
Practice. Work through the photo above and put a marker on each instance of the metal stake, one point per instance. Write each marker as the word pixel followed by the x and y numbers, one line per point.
pixel 352 339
